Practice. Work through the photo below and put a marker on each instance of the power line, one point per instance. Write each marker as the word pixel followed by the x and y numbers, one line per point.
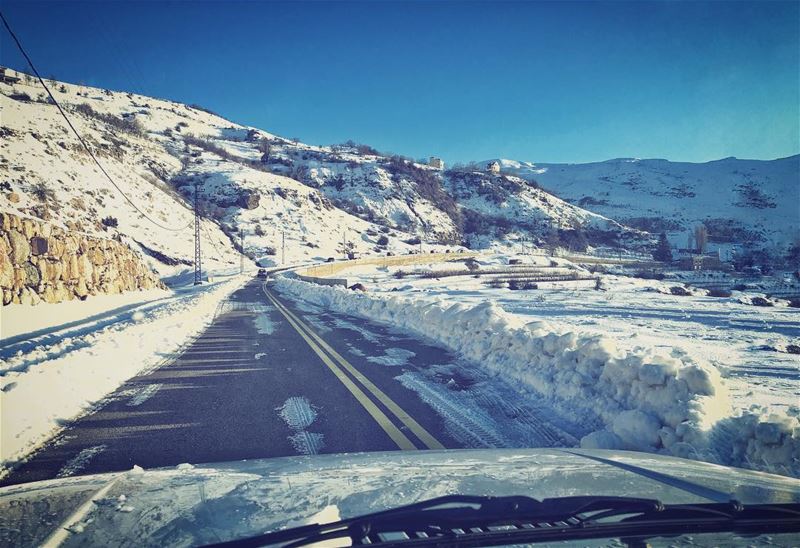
pixel 85 146
pixel 210 238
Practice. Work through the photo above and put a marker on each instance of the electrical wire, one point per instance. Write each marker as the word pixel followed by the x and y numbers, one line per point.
pixel 85 146
pixel 210 240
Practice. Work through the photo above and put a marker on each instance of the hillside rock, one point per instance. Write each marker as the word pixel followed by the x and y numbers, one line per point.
pixel 249 199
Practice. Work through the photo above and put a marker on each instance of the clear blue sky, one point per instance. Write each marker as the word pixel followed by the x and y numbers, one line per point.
pixel 546 82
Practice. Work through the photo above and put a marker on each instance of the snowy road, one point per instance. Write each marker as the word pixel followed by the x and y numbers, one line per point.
pixel 273 378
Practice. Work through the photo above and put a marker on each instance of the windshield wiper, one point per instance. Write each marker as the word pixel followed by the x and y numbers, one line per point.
pixel 462 520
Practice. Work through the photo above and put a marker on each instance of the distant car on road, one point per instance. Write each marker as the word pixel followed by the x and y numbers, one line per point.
pixel 262 273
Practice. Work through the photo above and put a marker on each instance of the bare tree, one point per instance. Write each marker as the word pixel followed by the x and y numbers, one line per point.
pixel 265 149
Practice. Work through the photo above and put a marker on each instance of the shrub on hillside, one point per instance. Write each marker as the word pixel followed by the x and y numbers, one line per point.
pixel 269 250
pixel 110 221
pixel 21 96
pixel 198 107
pixel 471 264
pixel 649 275
pixel 42 192
pixel 760 301
pixel 719 293
pixel 680 291
pixel 128 125
pixel 428 185
pixel 207 145
pixel 383 240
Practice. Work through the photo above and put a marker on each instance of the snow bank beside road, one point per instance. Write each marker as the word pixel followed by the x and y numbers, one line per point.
pixel 77 371
pixel 637 399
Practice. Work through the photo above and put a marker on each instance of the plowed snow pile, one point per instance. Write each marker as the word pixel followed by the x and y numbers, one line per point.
pixel 635 399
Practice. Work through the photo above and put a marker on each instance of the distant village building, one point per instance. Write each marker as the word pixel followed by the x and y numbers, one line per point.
pixel 708 261
pixel 6 77
pixel 726 251
pixel 493 167
pixel 436 163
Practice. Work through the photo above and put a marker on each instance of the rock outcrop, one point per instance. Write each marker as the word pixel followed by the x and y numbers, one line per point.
pixel 41 262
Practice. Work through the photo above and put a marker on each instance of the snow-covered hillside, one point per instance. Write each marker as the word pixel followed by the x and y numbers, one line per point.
pixel 47 174
pixel 313 201
pixel 502 206
pixel 739 201
pixel 155 151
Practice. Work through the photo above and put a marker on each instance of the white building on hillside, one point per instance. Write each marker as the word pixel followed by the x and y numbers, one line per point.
pixel 436 163
pixel 493 167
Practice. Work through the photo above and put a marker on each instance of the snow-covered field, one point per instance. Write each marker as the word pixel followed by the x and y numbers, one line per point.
pixel 693 376
pixel 54 371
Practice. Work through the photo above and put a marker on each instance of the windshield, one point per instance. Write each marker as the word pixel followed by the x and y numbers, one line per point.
pixel 497 248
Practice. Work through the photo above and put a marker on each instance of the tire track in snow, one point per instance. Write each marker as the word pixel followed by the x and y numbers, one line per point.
pixel 307 443
pixel 472 427
pixel 298 413
pixel 527 421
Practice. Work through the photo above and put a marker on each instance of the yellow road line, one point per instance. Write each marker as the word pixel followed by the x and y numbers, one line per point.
pixel 380 417
pixel 419 431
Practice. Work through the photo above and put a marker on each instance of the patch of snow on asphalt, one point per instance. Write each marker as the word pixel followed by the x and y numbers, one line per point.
pixel 298 413
pixel 144 394
pixel 264 323
pixel 80 461
pixel 393 357
pixel 368 335
pixel 307 443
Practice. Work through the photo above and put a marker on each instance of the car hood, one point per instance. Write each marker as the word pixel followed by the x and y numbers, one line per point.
pixel 190 505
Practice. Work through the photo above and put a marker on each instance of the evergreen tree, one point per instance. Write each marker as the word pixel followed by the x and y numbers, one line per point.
pixel 663 252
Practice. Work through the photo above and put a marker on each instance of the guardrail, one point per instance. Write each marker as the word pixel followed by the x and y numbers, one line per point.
pixel 323 274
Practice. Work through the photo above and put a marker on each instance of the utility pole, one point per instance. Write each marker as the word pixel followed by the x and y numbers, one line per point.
pixel 283 247
pixel 344 243
pixel 198 270
pixel 241 252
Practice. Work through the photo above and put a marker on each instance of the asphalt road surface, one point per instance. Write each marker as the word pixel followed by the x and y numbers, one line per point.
pixel 266 379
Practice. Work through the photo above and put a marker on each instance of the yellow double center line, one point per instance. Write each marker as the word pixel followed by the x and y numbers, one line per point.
pixel 325 352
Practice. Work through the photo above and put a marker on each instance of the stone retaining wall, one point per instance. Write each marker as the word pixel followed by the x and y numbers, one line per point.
pixel 40 262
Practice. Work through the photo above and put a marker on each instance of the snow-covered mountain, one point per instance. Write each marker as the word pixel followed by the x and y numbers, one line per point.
pixel 739 201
